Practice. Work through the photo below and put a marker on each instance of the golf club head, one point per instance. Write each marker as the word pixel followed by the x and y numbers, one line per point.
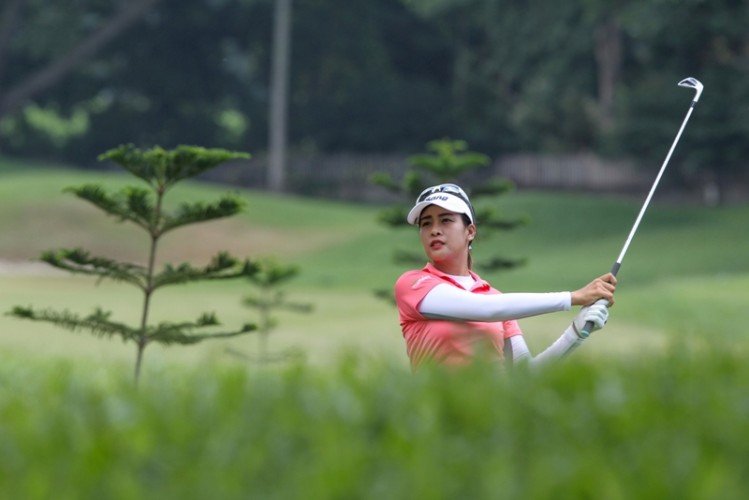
pixel 692 83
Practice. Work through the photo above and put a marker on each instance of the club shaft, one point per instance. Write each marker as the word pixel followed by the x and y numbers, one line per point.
pixel 653 188
pixel 615 268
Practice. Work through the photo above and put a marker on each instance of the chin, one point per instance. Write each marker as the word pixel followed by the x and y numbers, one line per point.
pixel 438 258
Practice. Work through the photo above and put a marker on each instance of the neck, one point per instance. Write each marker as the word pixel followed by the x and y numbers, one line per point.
pixel 453 268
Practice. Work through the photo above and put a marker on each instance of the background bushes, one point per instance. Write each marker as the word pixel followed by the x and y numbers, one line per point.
pixel 666 426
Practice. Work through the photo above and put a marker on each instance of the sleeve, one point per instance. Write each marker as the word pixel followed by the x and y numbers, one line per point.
pixel 449 302
pixel 410 290
pixel 517 350
pixel 565 344
pixel 512 329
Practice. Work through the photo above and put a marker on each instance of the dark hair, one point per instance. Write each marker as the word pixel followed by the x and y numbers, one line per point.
pixel 467 222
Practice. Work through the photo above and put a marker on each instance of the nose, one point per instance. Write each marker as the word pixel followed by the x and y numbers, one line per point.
pixel 435 229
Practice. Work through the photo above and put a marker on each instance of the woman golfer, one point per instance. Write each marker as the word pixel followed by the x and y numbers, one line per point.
pixel 449 315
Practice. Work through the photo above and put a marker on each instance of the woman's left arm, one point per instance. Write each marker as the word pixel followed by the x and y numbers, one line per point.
pixel 565 344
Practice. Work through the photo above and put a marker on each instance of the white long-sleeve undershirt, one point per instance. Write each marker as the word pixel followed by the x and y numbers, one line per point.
pixel 448 302
pixel 561 347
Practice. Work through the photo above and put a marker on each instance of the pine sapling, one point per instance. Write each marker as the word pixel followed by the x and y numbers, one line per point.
pixel 269 279
pixel 447 161
pixel 160 170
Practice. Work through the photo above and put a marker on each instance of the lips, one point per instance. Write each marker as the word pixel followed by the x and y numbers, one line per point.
pixel 436 244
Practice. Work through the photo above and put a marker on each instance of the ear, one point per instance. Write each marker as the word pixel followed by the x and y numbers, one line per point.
pixel 471 232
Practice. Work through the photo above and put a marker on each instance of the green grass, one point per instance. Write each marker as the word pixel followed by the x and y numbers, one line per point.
pixel 570 235
pixel 686 272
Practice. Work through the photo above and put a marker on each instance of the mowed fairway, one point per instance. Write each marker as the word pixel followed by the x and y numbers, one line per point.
pixel 686 276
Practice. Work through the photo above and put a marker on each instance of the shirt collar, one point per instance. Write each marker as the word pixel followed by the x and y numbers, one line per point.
pixel 480 283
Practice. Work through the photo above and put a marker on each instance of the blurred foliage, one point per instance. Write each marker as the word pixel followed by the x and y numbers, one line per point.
pixel 666 425
pixel 387 75
pixel 268 299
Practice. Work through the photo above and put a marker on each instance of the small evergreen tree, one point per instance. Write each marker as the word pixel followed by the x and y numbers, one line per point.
pixel 269 278
pixel 448 161
pixel 160 170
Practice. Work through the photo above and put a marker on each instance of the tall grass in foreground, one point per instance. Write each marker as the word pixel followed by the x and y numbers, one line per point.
pixel 662 427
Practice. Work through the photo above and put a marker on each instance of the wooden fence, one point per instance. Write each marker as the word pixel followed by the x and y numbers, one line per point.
pixel 346 176
pixel 574 172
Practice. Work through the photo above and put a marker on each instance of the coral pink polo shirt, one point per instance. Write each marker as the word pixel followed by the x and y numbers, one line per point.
pixel 445 341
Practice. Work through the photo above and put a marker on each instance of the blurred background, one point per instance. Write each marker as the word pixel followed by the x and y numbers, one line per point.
pixel 573 95
pixel 575 102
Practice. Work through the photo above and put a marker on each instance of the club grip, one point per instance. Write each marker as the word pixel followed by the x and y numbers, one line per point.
pixel 615 268
pixel 585 332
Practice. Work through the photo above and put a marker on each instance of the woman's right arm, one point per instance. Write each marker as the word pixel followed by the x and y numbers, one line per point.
pixel 602 287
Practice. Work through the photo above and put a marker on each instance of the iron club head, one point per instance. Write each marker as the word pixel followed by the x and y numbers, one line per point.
pixel 692 83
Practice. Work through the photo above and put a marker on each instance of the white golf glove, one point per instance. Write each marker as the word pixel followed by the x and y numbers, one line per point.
pixel 597 313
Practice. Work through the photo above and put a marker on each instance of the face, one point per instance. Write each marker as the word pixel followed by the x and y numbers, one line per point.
pixel 445 237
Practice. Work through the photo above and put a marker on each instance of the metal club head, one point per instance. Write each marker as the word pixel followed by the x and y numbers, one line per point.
pixel 692 83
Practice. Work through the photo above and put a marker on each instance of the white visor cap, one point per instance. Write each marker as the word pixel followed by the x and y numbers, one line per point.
pixel 444 199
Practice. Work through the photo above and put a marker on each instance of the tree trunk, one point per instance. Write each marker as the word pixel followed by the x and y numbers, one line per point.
pixel 279 95
pixel 608 51
pixel 8 22
pixel 58 69
pixel 139 361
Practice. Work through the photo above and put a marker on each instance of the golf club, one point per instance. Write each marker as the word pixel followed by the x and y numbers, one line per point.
pixel 691 83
